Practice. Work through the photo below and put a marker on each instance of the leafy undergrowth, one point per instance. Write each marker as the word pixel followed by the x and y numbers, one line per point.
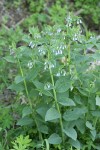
pixel 57 85
pixel 86 9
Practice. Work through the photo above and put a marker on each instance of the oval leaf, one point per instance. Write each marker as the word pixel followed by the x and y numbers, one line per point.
pixel 25 121
pixel 96 113
pixel 93 133
pixel 16 87
pixel 10 59
pixel 26 111
pixel 52 114
pixel 18 79
pixel 66 102
pixel 70 132
pixel 89 125
pixel 62 84
pixel 42 110
pixel 74 114
pixel 54 139
pixel 43 128
pixel 75 144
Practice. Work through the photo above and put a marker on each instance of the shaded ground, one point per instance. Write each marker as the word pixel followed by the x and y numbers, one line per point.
pixel 11 15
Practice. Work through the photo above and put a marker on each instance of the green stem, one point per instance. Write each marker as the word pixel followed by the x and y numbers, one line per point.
pixel 69 53
pixel 95 121
pixel 25 85
pixel 69 56
pixel 5 142
pixel 57 106
pixel 30 103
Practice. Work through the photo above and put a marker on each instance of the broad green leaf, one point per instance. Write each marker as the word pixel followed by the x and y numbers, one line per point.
pixel 32 74
pixel 63 95
pixel 26 111
pixel 42 110
pixel 97 100
pixel 10 59
pixel 47 93
pixel 25 121
pixel 54 139
pixel 75 143
pixel 43 129
pixel 74 114
pixel 96 113
pixel 18 79
pixel 83 91
pixel 16 87
pixel 62 84
pixel 38 85
pixel 80 124
pixel 66 102
pixel 89 125
pixel 52 114
pixel 77 99
pixel 93 133
pixel 70 132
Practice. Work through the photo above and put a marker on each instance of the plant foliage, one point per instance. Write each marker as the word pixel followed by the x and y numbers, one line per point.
pixel 61 83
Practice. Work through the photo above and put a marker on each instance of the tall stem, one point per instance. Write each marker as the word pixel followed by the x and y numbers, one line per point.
pixel 69 56
pixel 25 85
pixel 30 103
pixel 57 106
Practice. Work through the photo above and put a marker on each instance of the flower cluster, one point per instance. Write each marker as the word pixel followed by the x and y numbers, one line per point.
pixel 69 21
pixel 59 49
pixel 47 86
pixel 41 51
pixel 30 64
pixel 79 21
pixel 49 65
pixel 31 44
pixel 61 73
